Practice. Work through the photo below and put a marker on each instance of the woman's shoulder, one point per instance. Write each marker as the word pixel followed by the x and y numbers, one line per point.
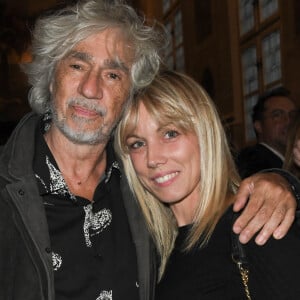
pixel 274 267
pixel 290 242
pixel 285 249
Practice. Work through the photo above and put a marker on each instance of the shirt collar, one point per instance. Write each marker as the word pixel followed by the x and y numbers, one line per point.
pixel 274 151
pixel 49 177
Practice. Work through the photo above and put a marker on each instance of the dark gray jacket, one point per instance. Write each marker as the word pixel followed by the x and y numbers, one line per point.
pixel 26 270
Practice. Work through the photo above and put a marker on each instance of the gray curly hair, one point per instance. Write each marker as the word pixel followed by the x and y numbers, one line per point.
pixel 56 34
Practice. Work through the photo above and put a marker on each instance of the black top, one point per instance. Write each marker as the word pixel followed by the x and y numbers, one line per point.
pixel 256 158
pixel 91 242
pixel 210 274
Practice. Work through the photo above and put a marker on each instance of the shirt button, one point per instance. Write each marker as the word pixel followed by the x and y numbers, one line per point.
pixel 21 192
pixel 48 249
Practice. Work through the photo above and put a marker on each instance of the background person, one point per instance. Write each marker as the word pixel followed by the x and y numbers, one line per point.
pixel 271 118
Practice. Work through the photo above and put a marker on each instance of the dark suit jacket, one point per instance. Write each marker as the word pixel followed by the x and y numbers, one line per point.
pixel 253 159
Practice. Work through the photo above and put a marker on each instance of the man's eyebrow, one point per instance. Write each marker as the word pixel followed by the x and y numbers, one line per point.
pixel 116 64
pixel 108 63
pixel 81 55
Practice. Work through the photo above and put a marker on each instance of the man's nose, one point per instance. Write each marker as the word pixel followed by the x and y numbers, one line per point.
pixel 91 86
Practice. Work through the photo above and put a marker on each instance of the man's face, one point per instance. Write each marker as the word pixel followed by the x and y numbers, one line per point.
pixel 273 128
pixel 90 87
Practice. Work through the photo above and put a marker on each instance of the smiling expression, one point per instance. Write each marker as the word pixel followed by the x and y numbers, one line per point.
pixel 167 161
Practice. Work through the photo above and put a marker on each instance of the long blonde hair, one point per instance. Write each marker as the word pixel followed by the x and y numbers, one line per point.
pixel 176 98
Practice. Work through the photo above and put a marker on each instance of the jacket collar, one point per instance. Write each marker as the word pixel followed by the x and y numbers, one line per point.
pixel 17 155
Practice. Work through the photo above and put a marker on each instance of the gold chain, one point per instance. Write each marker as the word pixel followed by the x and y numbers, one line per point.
pixel 245 277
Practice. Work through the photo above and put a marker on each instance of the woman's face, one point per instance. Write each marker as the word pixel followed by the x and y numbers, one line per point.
pixel 167 162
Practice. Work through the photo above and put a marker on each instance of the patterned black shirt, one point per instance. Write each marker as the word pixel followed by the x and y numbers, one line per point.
pixel 92 250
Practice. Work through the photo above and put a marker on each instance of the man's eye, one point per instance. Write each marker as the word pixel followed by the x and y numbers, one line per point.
pixel 171 134
pixel 76 67
pixel 277 113
pixel 114 76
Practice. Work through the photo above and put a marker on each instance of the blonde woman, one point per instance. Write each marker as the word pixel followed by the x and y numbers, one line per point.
pixel 179 166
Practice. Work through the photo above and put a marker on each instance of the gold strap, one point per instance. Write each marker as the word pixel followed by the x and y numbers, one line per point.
pixel 245 277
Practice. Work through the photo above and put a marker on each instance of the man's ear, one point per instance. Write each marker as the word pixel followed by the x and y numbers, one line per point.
pixel 51 87
pixel 257 126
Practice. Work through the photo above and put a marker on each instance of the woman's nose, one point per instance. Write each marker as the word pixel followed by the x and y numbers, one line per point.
pixel 156 156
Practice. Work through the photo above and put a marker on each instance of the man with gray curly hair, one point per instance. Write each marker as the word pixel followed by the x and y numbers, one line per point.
pixel 80 234
pixel 69 226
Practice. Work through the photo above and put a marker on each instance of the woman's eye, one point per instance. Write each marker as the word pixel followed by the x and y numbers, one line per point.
pixel 135 145
pixel 171 134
